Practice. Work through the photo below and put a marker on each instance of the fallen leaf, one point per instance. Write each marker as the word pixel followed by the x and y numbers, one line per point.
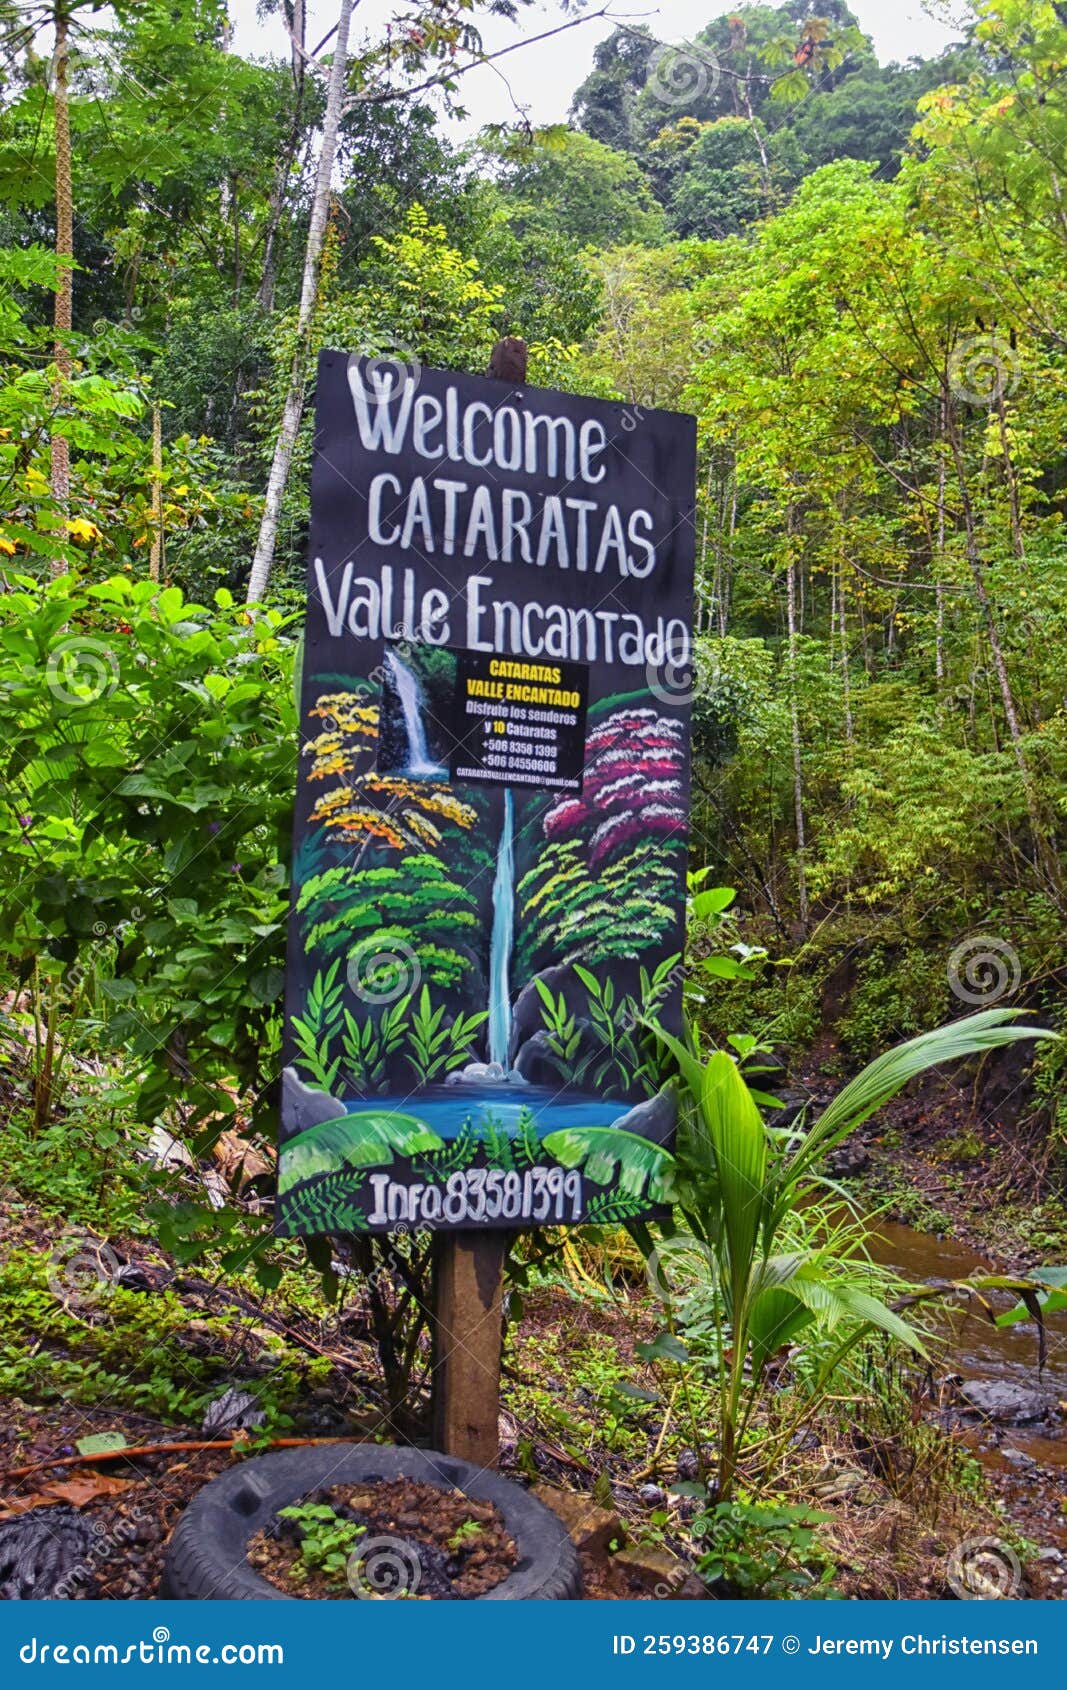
pixel 77 1490
pixel 239 1159
pixel 100 1443
pixel 81 1488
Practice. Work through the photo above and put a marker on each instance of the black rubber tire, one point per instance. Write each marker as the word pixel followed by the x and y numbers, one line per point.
pixel 207 1558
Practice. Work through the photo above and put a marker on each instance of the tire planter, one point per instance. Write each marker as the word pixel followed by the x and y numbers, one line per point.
pixel 207 1556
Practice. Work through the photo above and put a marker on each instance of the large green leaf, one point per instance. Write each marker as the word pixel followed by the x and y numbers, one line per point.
pixel 775 1318
pixel 883 1078
pixel 834 1302
pixel 367 1139
pixel 739 1144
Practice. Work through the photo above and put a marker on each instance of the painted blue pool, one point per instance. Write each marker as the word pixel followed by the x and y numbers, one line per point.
pixel 445 1109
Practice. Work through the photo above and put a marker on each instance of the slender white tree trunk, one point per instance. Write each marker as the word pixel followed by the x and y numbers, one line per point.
pixel 293 409
pixel 795 734
pixel 64 306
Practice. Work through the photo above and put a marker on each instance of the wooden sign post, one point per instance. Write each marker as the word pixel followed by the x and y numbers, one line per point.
pixel 468 1284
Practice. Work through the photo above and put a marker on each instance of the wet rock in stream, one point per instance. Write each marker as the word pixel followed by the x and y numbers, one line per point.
pixel 1009 1405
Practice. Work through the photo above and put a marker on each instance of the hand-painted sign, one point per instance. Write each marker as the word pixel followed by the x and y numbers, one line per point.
pixel 491 816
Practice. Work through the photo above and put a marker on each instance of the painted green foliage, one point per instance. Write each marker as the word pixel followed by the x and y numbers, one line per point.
pixel 323 1170
pixel 340 1050
pixel 604 880
pixel 394 837
pixel 367 1138
pixel 613 1051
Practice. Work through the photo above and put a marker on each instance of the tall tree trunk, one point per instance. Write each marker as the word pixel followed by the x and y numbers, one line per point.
pixel 64 306
pixel 705 598
pixel 293 409
pixel 846 677
pixel 155 556
pixel 1047 861
pixel 280 185
pixel 1011 480
pixel 939 642
pixel 794 720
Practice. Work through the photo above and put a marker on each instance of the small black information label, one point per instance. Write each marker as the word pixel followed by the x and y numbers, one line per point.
pixel 518 723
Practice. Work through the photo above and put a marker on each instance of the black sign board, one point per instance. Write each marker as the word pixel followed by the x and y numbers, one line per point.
pixel 491 815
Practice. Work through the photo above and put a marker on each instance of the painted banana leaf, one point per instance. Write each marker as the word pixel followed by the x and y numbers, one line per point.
pixel 368 1138
pixel 599 1151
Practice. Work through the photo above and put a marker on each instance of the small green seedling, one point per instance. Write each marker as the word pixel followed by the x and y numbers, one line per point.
pixel 326 1540
pixel 464 1533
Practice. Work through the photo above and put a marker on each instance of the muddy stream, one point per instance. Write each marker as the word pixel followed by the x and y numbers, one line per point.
pixel 976 1350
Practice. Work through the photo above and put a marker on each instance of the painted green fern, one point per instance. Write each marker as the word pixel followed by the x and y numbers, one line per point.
pixel 315 1032
pixel 451 1158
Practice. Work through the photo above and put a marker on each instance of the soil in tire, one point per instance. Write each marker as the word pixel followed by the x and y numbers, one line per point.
pixel 415 1542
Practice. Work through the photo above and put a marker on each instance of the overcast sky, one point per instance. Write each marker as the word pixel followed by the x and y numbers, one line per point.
pixel 541 79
